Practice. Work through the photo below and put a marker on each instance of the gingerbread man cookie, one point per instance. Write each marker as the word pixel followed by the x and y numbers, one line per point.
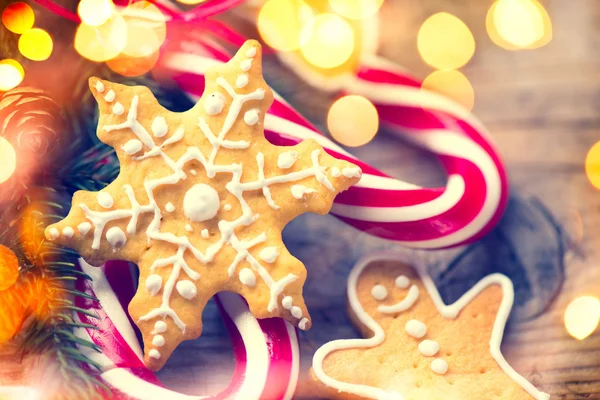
pixel 417 346
pixel 200 203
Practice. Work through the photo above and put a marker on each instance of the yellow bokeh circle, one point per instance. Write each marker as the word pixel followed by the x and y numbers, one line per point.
pixel 36 44
pixel 281 21
pixel 95 12
pixel 146 29
pixel 11 74
pixel 519 24
pixel 327 41
pixel 9 159
pixel 453 84
pixel 582 316
pixel 445 42
pixel 104 42
pixel 18 17
pixel 592 165
pixel 356 9
pixel 353 120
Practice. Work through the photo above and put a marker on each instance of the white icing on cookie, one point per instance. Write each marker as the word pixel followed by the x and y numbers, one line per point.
pixel 246 65
pixel 159 327
pixel 335 172
pixel 159 127
pixel 158 341
pixel 105 199
pixel 251 116
pixel 298 191
pixel 429 348
pixel 154 354
pixel 118 109
pixel 296 312
pixel 241 81
pixel 227 207
pixel 201 203
pixel 379 292
pixel 132 146
pixel 110 96
pixel 352 172
pixel 214 103
pixel 54 233
pixel 404 304
pixel 402 282
pixel 187 289
pixel 287 302
pixel 251 52
pixel 189 228
pixel 116 237
pixel 153 284
pixel 99 87
pixel 439 366
pixel 269 254
pixel 84 228
pixel 193 172
pixel 416 328
pixel 302 323
pixel 287 159
pixel 68 232
pixel 247 277
pixel 169 207
pixel 204 233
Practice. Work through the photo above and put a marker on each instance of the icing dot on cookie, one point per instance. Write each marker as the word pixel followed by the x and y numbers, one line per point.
pixel 201 203
pixel 296 312
pixel 352 172
pixel 287 159
pixel 118 109
pixel 429 347
pixel 241 81
pixel 84 228
pixel 287 302
pixel 116 237
pixel 402 282
pixel 439 366
pixel 153 284
pixel 302 323
pixel 247 277
pixel 269 254
pixel 105 200
pixel 110 96
pixel 159 127
pixel 335 172
pixel 53 233
pixel 416 329
pixel 251 52
pixel 154 354
pixel 214 103
pixel 158 341
pixel 189 228
pixel 298 191
pixel 251 117
pixel 379 292
pixel 204 233
pixel 160 327
pixel 246 65
pixel 169 207
pixel 227 207
pixel 193 172
pixel 187 289
pixel 68 232
pixel 99 87
pixel 132 147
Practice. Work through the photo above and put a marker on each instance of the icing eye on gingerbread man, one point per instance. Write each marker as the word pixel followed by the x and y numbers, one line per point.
pixel 416 346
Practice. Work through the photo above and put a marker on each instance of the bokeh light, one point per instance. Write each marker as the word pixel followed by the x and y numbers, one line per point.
pixel 36 44
pixel 453 84
pixel 519 24
pixel 146 29
pixel 133 66
pixel 327 41
pixel 356 9
pixel 281 21
pixel 95 12
pixel 592 165
pixel 9 159
pixel 104 42
pixel 582 317
pixel 192 2
pixel 445 42
pixel 18 17
pixel 11 74
pixel 353 120
pixel 9 268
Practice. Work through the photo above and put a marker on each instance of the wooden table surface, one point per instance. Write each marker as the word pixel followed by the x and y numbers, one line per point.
pixel 543 109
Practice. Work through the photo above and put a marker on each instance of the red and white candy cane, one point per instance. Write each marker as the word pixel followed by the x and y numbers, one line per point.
pixel 465 209
pixel 266 351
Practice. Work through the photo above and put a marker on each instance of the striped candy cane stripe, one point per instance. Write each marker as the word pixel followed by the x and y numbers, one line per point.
pixel 466 208
pixel 266 351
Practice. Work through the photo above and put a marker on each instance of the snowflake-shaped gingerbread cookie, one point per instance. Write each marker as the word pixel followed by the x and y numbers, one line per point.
pixel 200 203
